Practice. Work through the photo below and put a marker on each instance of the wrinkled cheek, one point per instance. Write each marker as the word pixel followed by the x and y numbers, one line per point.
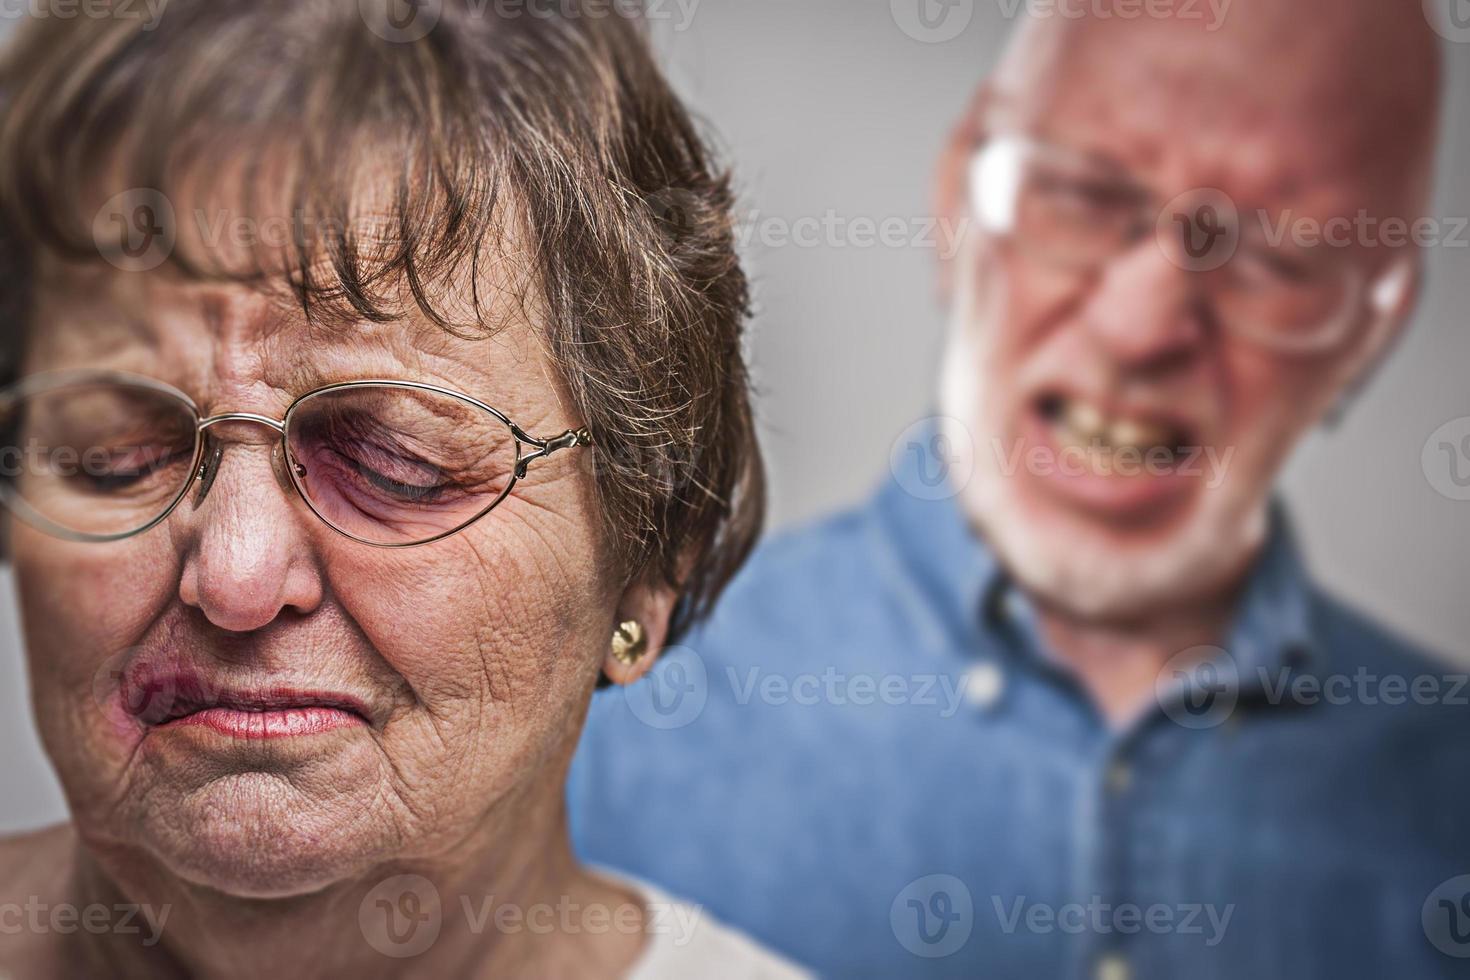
pixel 474 616
pixel 83 609
pixel 1020 298
pixel 490 637
pixel 1270 404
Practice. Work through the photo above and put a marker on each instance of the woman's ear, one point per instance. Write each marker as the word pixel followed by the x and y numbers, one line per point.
pixel 633 649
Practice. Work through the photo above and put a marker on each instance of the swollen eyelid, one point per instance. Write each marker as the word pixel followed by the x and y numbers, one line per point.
pixel 413 492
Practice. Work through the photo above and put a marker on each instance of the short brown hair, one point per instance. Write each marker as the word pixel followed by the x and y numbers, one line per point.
pixel 560 126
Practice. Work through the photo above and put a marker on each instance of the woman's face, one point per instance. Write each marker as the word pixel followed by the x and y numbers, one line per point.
pixel 467 663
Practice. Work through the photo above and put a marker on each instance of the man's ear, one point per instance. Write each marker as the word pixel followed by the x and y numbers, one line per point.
pixel 952 186
pixel 1391 303
pixel 650 604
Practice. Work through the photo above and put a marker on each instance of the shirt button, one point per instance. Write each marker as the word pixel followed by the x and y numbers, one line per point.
pixel 984 684
pixel 1112 967
pixel 1120 777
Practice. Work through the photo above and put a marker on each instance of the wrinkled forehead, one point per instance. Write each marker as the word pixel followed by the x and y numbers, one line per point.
pixel 200 282
pixel 1265 106
pixel 209 337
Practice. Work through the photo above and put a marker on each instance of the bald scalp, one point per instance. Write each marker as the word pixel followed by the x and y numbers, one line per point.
pixel 1361 77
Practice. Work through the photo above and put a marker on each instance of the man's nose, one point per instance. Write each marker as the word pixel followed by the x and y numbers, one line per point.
pixel 249 555
pixel 1145 310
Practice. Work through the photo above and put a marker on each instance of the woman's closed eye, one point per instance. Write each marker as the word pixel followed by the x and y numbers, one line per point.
pixel 407 479
pixel 411 492
pixel 127 470
pixel 118 480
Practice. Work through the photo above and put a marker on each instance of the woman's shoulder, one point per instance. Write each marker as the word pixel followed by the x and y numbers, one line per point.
pixel 35 863
pixel 35 871
pixel 684 940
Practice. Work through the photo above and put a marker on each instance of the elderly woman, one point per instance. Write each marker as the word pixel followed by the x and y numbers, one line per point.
pixel 376 392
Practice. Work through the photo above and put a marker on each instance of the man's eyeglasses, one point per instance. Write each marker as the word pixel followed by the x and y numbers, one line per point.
pixel 1073 212
pixel 100 456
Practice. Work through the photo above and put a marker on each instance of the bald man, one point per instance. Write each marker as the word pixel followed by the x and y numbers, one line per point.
pixel 1062 701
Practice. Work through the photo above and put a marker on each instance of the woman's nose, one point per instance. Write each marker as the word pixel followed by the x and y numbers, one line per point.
pixel 249 557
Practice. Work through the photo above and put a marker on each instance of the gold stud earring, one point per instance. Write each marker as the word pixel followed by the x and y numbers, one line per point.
pixel 629 643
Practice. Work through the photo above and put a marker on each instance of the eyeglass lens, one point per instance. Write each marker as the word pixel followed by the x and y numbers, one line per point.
pixel 386 464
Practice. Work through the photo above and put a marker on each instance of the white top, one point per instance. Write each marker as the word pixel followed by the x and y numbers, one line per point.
pixel 685 941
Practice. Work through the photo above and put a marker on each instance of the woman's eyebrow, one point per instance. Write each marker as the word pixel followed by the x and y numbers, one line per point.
pixel 134 327
pixel 111 330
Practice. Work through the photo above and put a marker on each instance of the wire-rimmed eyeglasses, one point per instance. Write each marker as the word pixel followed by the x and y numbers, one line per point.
pixel 105 455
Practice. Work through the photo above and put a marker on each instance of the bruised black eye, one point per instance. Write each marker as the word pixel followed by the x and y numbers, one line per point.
pixel 360 455
pixel 386 462
pixel 404 489
pixel 117 475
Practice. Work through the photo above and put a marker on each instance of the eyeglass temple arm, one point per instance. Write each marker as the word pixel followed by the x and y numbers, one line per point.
pixel 570 439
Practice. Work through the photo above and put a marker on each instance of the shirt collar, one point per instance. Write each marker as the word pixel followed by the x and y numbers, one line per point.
pixel 955 578
pixel 939 562
pixel 1274 627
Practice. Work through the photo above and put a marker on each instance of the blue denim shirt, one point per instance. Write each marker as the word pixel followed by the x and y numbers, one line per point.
pixel 867 761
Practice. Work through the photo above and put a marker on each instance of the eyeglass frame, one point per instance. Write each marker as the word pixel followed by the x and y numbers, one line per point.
pixel 1380 294
pixel 200 469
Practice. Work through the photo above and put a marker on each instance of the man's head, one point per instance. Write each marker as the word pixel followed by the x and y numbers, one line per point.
pixel 1145 321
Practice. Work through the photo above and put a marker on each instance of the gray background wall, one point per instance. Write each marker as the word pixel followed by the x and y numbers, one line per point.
pixel 829 111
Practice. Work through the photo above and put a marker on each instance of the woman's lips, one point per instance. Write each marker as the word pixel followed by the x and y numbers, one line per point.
pixel 279 723
pixel 187 701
